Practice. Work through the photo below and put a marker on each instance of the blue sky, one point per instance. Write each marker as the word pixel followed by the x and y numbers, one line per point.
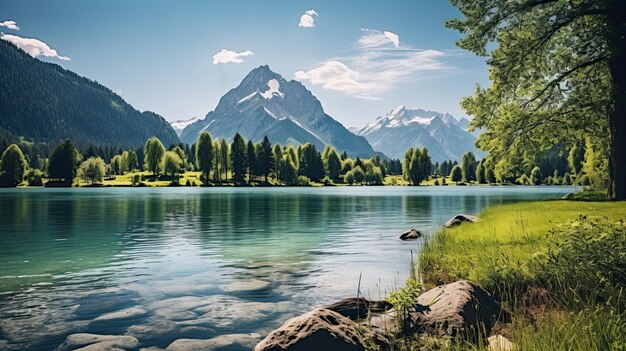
pixel 361 58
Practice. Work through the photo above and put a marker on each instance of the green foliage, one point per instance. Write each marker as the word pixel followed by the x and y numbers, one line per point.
pixel 251 160
pixel 567 179
pixel 204 154
pixel 594 167
pixel 44 102
pixel 490 176
pixel 456 175
pixel 310 162
pixel 480 173
pixel 63 162
pixel 332 163
pixel 550 76
pixel 92 170
pixel 12 166
pixel 576 157
pixel 238 158
pixel 404 299
pixel 171 164
pixel 34 177
pixel 468 166
pixel 266 163
pixel 535 176
pixel 153 155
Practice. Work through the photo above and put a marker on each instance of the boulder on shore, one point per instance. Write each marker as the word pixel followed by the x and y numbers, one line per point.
pixel 458 219
pixel 460 309
pixel 359 308
pixel 320 329
pixel 411 235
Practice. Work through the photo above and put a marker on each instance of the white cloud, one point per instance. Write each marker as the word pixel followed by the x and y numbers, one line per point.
pixel 33 47
pixel 375 65
pixel 229 56
pixel 307 20
pixel 376 39
pixel 10 25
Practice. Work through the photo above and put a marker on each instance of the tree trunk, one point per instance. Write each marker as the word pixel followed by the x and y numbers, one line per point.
pixel 617 115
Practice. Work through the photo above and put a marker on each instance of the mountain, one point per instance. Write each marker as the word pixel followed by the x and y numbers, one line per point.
pixel 402 128
pixel 265 103
pixel 47 103
pixel 182 124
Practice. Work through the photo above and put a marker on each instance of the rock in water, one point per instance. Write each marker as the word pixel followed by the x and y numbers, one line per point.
pixel 320 329
pixel 460 309
pixel 98 342
pixel 411 235
pixel 359 308
pixel 458 219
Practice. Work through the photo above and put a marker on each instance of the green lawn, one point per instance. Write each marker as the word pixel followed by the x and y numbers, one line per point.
pixel 570 299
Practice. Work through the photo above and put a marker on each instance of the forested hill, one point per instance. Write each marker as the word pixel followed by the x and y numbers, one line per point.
pixel 46 103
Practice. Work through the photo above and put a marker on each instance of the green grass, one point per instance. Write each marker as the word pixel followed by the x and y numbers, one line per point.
pixel 559 267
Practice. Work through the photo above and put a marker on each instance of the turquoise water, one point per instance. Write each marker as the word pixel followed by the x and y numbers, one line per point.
pixel 203 262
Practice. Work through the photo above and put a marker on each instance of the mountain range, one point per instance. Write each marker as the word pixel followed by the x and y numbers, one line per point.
pixel 445 137
pixel 264 103
pixel 47 103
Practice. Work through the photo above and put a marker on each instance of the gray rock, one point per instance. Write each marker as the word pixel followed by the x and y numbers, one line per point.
pixel 222 342
pixel 92 342
pixel 320 329
pixel 123 314
pixel 460 309
pixel 411 235
pixel 499 343
pixel 458 219
pixel 359 308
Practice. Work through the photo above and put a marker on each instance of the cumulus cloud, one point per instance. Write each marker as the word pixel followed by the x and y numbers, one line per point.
pixel 229 56
pixel 307 20
pixel 375 65
pixel 10 25
pixel 33 47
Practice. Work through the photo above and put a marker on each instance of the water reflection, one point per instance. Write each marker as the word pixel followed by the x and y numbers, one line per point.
pixel 196 263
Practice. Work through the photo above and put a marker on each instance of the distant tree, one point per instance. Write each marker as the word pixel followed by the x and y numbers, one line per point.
pixel 133 161
pixel 359 175
pixel 238 158
pixel 12 166
pixel 287 170
pixel 556 179
pixel 576 157
pixel 414 168
pixel 92 170
pixel 344 156
pixel 63 162
pixel 406 164
pixel 425 165
pixel 153 155
pixel 349 178
pixel 535 176
pixel 567 179
pixel 216 160
pixel 224 157
pixel 277 152
pixel 468 166
pixel 117 164
pixel 490 177
pixel 333 164
pixel 251 160
pixel 178 149
pixel 34 177
pixel 480 173
pixel 265 158
pixel 204 155
pixel 171 165
pixel 456 175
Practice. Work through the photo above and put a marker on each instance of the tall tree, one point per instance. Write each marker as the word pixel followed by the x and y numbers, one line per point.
pixel 171 165
pixel 456 175
pixel 63 162
pixel 204 155
pixel 153 154
pixel 558 71
pixel 238 158
pixel 333 164
pixel 251 160
pixel 12 166
pixel 224 158
pixel 468 166
pixel 265 158
pixel 92 170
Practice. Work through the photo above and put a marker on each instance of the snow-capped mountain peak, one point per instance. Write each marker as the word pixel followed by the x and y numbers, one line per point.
pixel 179 125
pixel 402 128
pixel 264 103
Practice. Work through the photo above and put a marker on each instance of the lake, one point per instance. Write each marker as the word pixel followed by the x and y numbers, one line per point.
pixel 162 264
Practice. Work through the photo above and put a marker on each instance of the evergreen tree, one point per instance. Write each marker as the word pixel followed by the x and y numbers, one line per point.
pixel 153 155
pixel 265 158
pixel 333 164
pixel 251 160
pixel 204 155
pixel 12 166
pixel 224 158
pixel 456 174
pixel 63 162
pixel 535 176
pixel 238 158
pixel 216 160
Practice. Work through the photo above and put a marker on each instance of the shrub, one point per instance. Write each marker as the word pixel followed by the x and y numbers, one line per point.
pixel 303 181
pixel 34 177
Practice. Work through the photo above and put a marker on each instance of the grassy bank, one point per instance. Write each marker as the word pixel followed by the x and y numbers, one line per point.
pixel 558 266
